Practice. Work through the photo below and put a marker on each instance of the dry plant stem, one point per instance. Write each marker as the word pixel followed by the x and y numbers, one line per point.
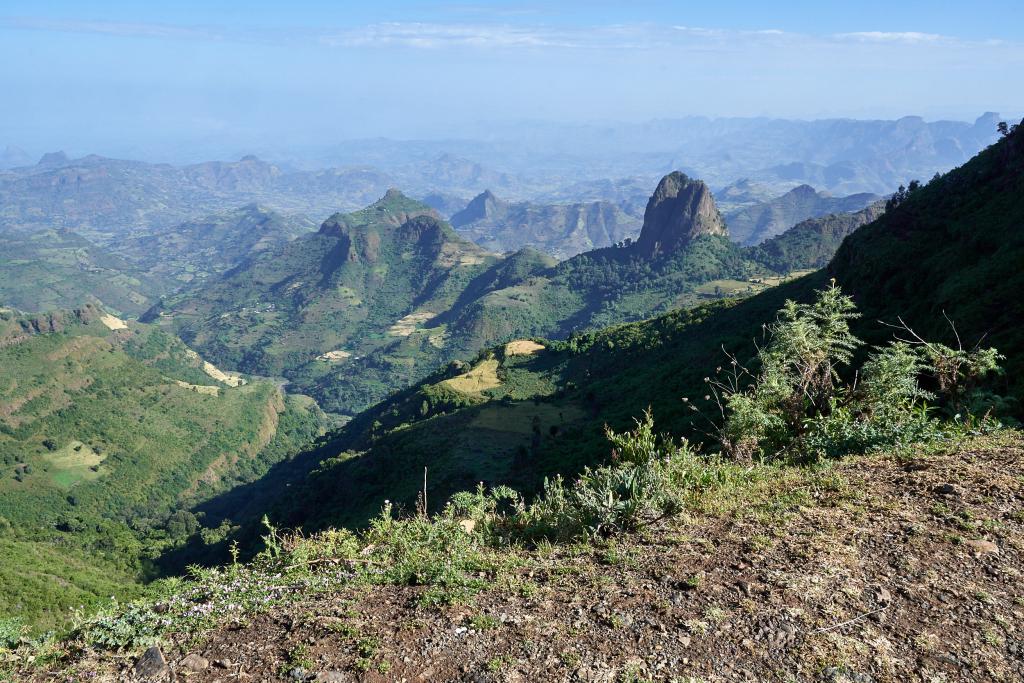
pixel 850 621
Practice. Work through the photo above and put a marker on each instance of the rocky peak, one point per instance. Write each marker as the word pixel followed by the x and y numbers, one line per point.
pixel 803 192
pixel 390 211
pixel 484 206
pixel 12 157
pixel 54 159
pixel 987 122
pixel 680 210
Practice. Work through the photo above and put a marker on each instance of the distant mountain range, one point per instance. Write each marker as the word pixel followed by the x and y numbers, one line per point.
pixel 561 230
pixel 755 223
pixel 213 244
pixel 54 269
pixel 59 269
pixel 12 157
pixel 564 230
pixel 841 156
pixel 104 198
pixel 109 199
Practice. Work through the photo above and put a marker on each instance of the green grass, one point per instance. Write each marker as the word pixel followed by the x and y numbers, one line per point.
pixel 73 463
pixel 42 583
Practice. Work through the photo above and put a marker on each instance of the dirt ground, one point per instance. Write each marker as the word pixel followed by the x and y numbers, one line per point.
pixel 904 570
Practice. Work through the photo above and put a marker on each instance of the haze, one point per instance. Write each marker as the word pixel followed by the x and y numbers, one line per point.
pixel 200 79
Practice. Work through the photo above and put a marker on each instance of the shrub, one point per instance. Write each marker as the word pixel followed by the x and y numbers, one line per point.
pixel 422 551
pixel 631 491
pixel 797 381
pixel 796 403
pixel 11 632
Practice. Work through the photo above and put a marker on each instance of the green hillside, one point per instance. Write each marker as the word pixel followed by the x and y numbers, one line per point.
pixel 367 282
pixel 209 246
pixel 954 245
pixel 755 223
pixel 812 243
pixel 51 269
pixel 106 431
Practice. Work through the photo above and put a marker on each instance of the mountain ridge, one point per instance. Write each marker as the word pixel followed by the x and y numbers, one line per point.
pixel 305 313
pixel 561 230
pixel 753 224
pixel 919 262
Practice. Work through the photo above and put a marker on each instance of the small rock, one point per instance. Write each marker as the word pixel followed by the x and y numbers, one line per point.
pixel 982 547
pixel 468 525
pixel 194 663
pixel 151 664
pixel 332 677
pixel 947 490
pixel 884 596
pixel 222 663
pixel 298 674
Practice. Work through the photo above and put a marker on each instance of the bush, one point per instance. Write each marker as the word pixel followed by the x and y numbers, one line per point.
pixel 633 490
pixel 798 380
pixel 11 633
pixel 796 404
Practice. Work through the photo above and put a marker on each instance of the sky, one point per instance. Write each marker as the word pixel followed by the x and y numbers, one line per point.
pixel 121 76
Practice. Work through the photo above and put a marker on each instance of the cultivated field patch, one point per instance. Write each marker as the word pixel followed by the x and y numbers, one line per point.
pixel 113 322
pixel 337 354
pixel 522 347
pixel 199 388
pixel 408 324
pixel 481 378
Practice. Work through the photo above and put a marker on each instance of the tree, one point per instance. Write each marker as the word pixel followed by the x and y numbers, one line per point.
pixel 1006 129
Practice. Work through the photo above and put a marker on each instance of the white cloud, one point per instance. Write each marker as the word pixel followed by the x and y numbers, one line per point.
pixel 893 37
pixel 501 36
pixel 434 36
pixel 504 36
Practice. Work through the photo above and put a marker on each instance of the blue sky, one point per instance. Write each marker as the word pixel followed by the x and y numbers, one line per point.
pixel 103 75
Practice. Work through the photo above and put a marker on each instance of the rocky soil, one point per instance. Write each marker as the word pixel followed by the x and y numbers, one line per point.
pixel 879 569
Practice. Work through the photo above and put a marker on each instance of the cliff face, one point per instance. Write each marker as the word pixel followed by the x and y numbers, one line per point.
pixel 680 210
pixel 561 230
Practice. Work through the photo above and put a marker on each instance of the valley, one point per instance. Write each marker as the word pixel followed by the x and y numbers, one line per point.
pixel 379 298
pixel 108 433
pixel 506 342
pixel 532 399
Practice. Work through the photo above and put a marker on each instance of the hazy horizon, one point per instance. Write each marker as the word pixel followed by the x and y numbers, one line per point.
pixel 152 82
